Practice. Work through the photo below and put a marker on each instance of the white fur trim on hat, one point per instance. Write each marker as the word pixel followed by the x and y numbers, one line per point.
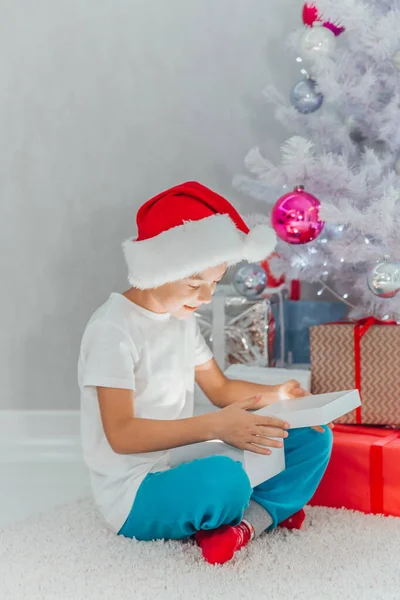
pixel 260 238
pixel 193 247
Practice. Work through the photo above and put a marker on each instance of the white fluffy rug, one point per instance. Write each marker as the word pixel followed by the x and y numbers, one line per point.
pixel 68 554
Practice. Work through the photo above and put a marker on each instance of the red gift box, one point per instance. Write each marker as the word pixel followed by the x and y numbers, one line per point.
pixel 364 471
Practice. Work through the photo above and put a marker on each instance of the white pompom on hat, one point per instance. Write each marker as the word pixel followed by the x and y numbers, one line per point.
pixel 187 229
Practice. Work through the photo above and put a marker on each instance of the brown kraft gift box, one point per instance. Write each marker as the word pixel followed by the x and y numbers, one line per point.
pixel 363 355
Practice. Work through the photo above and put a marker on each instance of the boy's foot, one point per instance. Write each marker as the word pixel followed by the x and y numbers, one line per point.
pixel 219 545
pixel 295 521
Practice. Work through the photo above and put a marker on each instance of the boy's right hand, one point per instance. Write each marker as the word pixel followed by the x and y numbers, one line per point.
pixel 247 431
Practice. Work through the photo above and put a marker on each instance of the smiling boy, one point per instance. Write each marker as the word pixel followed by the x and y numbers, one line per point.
pixel 141 354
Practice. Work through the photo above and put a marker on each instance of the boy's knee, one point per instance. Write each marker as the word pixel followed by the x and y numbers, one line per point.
pixel 323 441
pixel 317 444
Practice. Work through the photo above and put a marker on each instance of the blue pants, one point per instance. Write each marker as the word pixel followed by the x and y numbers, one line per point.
pixel 214 491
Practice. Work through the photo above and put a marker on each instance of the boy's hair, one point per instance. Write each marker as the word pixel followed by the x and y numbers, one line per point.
pixel 187 229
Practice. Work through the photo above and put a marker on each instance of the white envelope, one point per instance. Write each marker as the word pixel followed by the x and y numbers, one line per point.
pixel 300 412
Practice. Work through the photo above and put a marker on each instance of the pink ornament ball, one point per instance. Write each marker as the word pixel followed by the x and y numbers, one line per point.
pixel 310 15
pixel 295 217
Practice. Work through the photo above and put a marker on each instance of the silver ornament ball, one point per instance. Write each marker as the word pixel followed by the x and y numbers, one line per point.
pixel 304 96
pixel 317 41
pixel 384 279
pixel 250 280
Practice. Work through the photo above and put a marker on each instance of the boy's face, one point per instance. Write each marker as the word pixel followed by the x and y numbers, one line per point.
pixel 181 298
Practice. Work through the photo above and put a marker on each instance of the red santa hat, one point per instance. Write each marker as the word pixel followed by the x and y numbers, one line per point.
pixel 187 229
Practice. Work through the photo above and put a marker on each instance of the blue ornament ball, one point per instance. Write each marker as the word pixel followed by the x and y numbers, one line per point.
pixel 304 96
pixel 250 280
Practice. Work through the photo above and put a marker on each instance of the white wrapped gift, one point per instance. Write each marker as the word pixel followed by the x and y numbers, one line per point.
pixel 269 375
pixel 258 468
pixel 308 411
pixel 263 375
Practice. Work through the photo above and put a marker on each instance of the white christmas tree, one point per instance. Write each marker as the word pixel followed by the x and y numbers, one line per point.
pixel 345 150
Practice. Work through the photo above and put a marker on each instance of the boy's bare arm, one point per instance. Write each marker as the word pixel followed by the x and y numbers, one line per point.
pixel 127 434
pixel 223 391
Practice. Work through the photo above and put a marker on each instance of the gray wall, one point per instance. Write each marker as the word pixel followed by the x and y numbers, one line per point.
pixel 103 104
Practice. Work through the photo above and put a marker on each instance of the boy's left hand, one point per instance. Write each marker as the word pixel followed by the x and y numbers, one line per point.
pixel 293 389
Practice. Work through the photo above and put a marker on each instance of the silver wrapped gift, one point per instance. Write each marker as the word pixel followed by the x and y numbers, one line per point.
pixel 238 329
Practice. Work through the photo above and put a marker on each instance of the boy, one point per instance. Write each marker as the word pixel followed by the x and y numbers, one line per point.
pixel 140 356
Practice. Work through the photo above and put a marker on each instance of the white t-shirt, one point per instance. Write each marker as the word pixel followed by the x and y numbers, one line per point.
pixel 127 346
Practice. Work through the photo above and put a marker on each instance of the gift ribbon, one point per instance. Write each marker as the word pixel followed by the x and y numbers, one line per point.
pixel 295 290
pixel 376 479
pixel 360 330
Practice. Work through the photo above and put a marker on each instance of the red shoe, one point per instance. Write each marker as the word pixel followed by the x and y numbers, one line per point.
pixel 219 545
pixel 295 521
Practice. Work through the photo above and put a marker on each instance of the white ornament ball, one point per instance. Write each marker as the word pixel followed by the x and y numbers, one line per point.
pixel 317 41
pixel 396 59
